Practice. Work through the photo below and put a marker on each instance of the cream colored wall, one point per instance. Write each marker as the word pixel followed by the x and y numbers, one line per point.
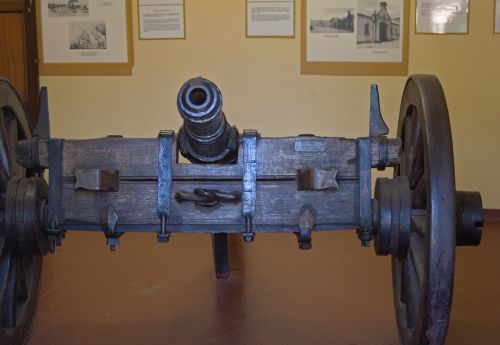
pixel 263 88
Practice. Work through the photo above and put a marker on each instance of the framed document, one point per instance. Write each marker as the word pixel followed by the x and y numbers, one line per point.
pixel 85 37
pixel 161 19
pixel 497 16
pixel 442 17
pixel 270 18
pixel 355 37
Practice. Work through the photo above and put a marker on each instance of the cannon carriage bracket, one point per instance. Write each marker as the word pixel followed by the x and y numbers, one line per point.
pixel 242 183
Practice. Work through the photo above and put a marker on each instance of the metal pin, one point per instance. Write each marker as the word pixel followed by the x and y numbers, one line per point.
pixel 163 236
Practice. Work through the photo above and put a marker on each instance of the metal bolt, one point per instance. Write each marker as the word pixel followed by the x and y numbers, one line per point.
pixel 163 238
pixel 305 245
pixel 113 243
pixel 248 238
pixel 52 247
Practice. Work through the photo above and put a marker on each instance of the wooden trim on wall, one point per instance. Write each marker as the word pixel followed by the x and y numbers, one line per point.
pixel 12 6
pixel 491 215
pixel 32 61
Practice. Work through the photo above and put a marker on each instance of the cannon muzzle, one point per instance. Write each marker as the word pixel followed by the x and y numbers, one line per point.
pixel 206 136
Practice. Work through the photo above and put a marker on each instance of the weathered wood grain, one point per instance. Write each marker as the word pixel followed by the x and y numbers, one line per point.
pixel 276 157
pixel 279 205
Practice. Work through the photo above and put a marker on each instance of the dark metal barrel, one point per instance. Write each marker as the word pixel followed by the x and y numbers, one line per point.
pixel 206 136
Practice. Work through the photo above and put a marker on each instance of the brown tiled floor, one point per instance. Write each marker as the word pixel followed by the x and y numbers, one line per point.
pixel 338 293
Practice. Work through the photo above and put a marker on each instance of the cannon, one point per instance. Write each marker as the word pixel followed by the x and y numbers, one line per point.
pixel 241 183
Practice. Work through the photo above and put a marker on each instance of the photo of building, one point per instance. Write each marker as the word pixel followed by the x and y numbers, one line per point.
pixel 332 20
pixel 377 28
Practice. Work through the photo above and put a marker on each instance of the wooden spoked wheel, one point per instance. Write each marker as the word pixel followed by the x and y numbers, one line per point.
pixel 19 276
pixel 423 274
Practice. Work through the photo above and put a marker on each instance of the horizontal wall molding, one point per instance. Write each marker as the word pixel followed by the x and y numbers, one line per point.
pixel 491 215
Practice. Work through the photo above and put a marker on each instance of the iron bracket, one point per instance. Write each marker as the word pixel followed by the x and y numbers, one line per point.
pixel 249 188
pixel 365 230
pixel 165 150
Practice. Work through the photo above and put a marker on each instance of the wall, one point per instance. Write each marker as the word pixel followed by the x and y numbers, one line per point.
pixel 263 88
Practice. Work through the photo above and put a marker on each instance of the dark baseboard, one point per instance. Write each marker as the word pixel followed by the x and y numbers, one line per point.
pixel 492 215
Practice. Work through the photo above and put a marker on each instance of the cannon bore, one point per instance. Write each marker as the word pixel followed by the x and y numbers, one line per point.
pixel 205 136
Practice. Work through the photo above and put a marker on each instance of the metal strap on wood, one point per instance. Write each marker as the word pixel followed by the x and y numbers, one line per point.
pixel 365 231
pixel 165 148
pixel 164 172
pixel 249 187
pixel 54 200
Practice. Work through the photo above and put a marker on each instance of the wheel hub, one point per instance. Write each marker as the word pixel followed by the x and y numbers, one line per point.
pixel 25 202
pixel 392 216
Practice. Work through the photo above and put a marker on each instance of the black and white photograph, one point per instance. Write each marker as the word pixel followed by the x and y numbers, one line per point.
pixel 331 20
pixel 87 35
pixel 378 24
pixel 68 8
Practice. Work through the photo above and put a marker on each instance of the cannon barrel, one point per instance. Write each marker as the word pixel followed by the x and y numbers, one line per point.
pixel 205 136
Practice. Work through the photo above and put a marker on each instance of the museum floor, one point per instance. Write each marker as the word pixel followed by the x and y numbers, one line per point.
pixel 338 293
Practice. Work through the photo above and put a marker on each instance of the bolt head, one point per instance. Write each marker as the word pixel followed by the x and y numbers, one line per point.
pixel 305 246
pixel 163 238
pixel 113 243
pixel 248 238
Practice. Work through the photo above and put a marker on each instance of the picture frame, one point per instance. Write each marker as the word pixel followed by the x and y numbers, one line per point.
pixel 85 37
pixel 348 40
pixel 496 17
pixel 162 10
pixel 270 29
pixel 437 17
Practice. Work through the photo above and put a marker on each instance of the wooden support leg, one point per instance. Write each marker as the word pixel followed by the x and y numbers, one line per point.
pixel 221 258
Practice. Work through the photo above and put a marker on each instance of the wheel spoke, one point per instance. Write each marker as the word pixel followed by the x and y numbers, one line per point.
pixel 419 194
pixel 9 299
pixel 21 287
pixel 403 291
pixel 419 222
pixel 12 137
pixel 4 155
pixel 408 124
pixel 417 255
pixel 414 154
pixel 412 294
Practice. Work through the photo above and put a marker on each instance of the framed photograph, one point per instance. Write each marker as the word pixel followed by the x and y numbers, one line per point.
pixel 85 37
pixel 355 37
pixel 161 19
pixel 442 17
pixel 270 18
pixel 497 16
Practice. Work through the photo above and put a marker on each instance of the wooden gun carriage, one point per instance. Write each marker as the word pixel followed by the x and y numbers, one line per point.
pixel 244 184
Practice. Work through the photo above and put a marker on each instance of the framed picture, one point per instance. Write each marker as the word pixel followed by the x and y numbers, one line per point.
pixel 270 18
pixel 161 19
pixel 355 37
pixel 497 17
pixel 442 17
pixel 85 37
